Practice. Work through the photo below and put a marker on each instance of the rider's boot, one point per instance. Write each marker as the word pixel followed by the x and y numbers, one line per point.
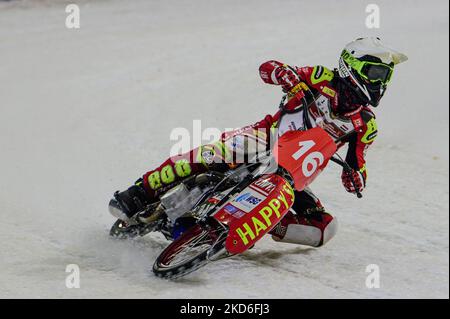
pixel 307 223
pixel 314 227
pixel 128 203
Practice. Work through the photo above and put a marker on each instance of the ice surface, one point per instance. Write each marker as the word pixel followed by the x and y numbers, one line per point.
pixel 85 112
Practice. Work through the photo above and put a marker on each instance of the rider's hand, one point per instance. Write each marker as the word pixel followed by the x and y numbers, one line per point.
pixel 358 177
pixel 286 77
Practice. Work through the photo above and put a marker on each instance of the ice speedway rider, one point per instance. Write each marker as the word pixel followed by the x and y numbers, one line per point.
pixel 341 104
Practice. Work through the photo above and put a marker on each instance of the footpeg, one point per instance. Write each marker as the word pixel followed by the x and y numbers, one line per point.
pixel 151 215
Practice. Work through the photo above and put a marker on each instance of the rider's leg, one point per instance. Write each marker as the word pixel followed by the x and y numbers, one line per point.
pixel 307 223
pixel 127 203
pixel 154 183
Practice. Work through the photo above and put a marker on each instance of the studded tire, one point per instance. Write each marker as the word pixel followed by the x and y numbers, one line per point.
pixel 186 254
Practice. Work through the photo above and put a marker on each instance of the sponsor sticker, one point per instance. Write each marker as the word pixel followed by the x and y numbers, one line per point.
pixel 328 91
pixel 232 210
pixel 247 201
pixel 264 185
pixel 208 156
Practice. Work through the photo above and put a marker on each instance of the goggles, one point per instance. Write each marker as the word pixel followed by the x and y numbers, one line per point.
pixel 373 72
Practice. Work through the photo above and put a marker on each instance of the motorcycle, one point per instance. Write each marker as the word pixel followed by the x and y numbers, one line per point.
pixel 216 215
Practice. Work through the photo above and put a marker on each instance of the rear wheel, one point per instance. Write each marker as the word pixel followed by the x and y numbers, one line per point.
pixel 186 254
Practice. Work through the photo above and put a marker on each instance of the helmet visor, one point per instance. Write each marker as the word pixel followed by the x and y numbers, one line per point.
pixel 376 72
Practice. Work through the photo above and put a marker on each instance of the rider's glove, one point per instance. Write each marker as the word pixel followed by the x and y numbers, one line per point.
pixel 359 179
pixel 286 77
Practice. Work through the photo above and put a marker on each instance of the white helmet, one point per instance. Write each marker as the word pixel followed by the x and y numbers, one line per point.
pixel 367 65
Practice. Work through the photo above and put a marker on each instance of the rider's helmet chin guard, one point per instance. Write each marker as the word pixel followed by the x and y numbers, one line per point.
pixel 368 65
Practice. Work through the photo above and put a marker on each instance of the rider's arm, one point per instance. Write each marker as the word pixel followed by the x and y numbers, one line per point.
pixel 317 77
pixel 358 145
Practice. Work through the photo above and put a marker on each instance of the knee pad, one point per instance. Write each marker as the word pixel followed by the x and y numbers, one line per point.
pixel 310 234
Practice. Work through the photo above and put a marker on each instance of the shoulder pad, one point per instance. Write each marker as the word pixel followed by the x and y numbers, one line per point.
pixel 321 74
pixel 371 128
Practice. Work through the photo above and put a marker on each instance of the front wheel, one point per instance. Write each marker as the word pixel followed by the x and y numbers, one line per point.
pixel 186 254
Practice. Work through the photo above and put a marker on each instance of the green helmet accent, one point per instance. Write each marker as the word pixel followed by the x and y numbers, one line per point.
pixel 370 71
pixel 320 74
